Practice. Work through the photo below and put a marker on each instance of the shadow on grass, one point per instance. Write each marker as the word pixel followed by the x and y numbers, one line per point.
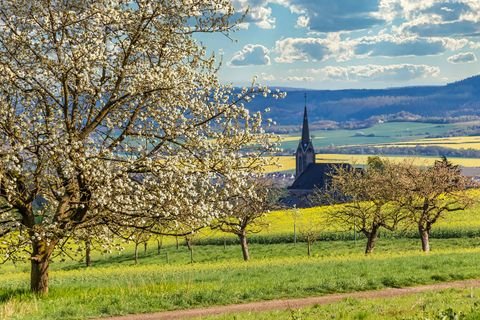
pixel 124 258
pixel 8 294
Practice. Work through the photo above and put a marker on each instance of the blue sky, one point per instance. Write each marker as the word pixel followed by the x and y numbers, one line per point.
pixel 335 44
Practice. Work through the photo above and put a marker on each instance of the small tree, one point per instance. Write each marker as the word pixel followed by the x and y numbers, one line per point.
pixel 432 192
pixel 310 234
pixel 370 198
pixel 247 210
pixel 295 216
pixel 190 242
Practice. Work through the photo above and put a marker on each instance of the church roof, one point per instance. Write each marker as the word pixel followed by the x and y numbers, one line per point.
pixel 316 175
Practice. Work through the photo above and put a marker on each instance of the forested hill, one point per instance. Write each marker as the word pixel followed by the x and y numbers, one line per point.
pixel 452 100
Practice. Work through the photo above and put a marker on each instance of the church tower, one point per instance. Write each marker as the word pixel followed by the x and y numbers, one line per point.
pixel 305 154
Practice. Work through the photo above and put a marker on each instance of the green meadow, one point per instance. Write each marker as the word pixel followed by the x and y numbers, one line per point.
pixel 389 132
pixel 279 268
pixel 442 305
pixel 116 286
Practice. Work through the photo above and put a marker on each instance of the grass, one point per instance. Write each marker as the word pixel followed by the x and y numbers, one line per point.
pixel 281 224
pixel 116 286
pixel 441 305
pixel 282 221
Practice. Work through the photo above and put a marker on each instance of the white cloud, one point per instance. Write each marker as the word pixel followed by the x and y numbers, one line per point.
pixel 301 49
pixel 258 13
pixel 302 22
pixel 300 79
pixel 396 72
pixel 267 77
pixel 337 15
pixel 251 54
pixel 439 18
pixel 386 45
pixel 466 57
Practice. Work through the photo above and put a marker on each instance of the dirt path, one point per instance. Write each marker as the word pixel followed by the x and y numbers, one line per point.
pixel 296 303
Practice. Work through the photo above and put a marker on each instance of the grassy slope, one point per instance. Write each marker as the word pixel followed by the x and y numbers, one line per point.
pixel 432 305
pixel 117 286
pixel 281 222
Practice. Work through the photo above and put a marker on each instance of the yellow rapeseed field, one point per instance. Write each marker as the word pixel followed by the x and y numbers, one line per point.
pixel 451 142
pixel 286 163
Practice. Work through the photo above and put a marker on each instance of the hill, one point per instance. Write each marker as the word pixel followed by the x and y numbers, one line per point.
pixel 458 99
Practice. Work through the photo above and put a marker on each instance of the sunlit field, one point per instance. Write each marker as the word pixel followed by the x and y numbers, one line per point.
pixel 450 142
pixel 279 268
pixel 445 304
pixel 287 163
pixel 384 133
pixel 114 285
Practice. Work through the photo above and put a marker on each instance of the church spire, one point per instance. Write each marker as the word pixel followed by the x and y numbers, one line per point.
pixel 305 154
pixel 305 130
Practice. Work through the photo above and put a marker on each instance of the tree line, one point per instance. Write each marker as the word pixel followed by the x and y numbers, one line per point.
pixel 388 195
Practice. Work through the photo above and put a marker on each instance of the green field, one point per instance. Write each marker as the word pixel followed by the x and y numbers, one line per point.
pixel 442 305
pixel 167 281
pixel 470 142
pixel 390 132
pixel 116 286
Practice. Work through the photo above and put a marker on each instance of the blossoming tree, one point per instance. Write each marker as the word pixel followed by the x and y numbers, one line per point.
pixel 111 114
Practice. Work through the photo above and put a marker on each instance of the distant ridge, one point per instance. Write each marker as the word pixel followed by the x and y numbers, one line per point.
pixel 456 99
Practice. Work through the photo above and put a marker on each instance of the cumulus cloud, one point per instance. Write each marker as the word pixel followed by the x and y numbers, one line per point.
pixel 267 77
pixel 396 72
pixel 259 13
pixel 466 57
pixel 439 18
pixel 337 15
pixel 300 78
pixel 389 46
pixel 301 49
pixel 251 54
pixel 442 29
pixel 448 11
pixel 302 22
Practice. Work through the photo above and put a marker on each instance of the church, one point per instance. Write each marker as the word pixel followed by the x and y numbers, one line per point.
pixel 309 175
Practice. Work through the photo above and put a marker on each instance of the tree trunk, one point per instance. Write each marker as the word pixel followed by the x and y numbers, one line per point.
pixel 136 253
pixel 188 242
pixel 244 244
pixel 425 237
pixel 309 248
pixel 145 248
pixel 159 245
pixel 39 267
pixel 371 239
pixel 294 233
pixel 88 249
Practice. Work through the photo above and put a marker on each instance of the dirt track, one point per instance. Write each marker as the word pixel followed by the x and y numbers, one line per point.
pixel 295 303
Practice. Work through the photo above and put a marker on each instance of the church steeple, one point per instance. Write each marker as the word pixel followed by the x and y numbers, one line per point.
pixel 305 154
pixel 305 130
